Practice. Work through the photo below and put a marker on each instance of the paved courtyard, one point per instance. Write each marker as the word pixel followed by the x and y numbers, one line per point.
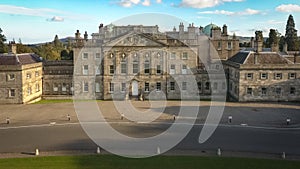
pixel 254 114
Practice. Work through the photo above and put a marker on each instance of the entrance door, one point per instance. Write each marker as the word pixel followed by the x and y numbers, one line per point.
pixel 135 88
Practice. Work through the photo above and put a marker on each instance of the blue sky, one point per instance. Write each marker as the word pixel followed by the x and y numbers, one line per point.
pixel 39 21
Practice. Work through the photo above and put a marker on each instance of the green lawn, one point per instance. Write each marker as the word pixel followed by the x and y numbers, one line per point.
pixel 159 162
pixel 60 101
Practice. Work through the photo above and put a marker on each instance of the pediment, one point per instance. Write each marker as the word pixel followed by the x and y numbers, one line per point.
pixel 135 39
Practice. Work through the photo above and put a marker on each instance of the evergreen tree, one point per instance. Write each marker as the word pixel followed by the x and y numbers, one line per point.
pixel 291 35
pixel 3 47
pixel 57 42
pixel 274 37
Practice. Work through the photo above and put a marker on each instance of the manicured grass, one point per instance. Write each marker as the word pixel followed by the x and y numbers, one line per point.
pixel 59 101
pixel 54 101
pixel 160 162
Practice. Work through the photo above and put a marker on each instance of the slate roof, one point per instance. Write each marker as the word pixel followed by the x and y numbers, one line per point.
pixel 263 58
pixel 19 59
pixel 239 57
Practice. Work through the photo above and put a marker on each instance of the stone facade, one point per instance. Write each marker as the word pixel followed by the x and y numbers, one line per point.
pixel 21 76
pixel 57 79
pixel 139 61
pixel 263 76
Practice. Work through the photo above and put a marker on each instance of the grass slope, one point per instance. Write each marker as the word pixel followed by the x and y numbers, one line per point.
pixel 160 162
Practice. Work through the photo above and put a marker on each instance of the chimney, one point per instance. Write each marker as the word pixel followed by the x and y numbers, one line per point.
pixel 274 47
pixel 201 29
pixel 216 33
pixel 85 36
pixel 77 35
pixel 224 32
pixel 12 47
pixel 258 41
pixel 256 54
pixel 181 28
pixel 252 42
pixel 285 48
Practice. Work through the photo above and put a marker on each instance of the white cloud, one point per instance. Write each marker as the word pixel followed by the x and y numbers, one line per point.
pixel 274 22
pixel 204 3
pixel 19 10
pixel 128 3
pixel 218 12
pixel 158 1
pixel 230 13
pixel 249 12
pixel 288 8
pixel 56 19
pixel 146 3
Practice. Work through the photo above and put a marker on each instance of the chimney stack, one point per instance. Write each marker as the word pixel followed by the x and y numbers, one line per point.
pixel 86 36
pixel 258 44
pixel 12 47
pixel 285 48
pixel 225 32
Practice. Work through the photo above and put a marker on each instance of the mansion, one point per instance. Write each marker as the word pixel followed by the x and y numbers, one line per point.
pixel 140 62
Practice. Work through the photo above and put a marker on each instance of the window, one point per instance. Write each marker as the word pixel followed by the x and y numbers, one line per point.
pixel 207 86
pixel 11 77
pixel 184 85
pixel 111 69
pixel 229 45
pixel 292 75
pixel 97 87
pixel 147 87
pixel 135 68
pixel 278 76
pixel 172 69
pixel 215 86
pixel 123 68
pixel 147 67
pixel 123 87
pixel 28 75
pixel 37 87
pixel 292 90
pixel 97 70
pixel 278 90
pixel 111 87
pixel 264 76
pixel 235 89
pixel 12 93
pixel 55 87
pixel 158 86
pixel 199 84
pixel 184 55
pixel 249 91
pixel 85 70
pixel 223 85
pixel 85 87
pixel 219 45
pixel 37 73
pixel 172 86
pixel 173 55
pixel 184 69
pixel 158 69
pixel 29 91
pixel 263 91
pixel 85 56
pixel 217 67
pixel 249 76
pixel 97 55
pixel 64 87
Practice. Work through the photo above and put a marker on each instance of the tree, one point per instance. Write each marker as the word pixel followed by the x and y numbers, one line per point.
pixel 291 35
pixel 64 55
pixel 57 42
pixel 274 37
pixel 3 47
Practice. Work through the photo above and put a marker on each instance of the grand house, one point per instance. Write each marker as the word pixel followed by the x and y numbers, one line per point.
pixel 136 61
